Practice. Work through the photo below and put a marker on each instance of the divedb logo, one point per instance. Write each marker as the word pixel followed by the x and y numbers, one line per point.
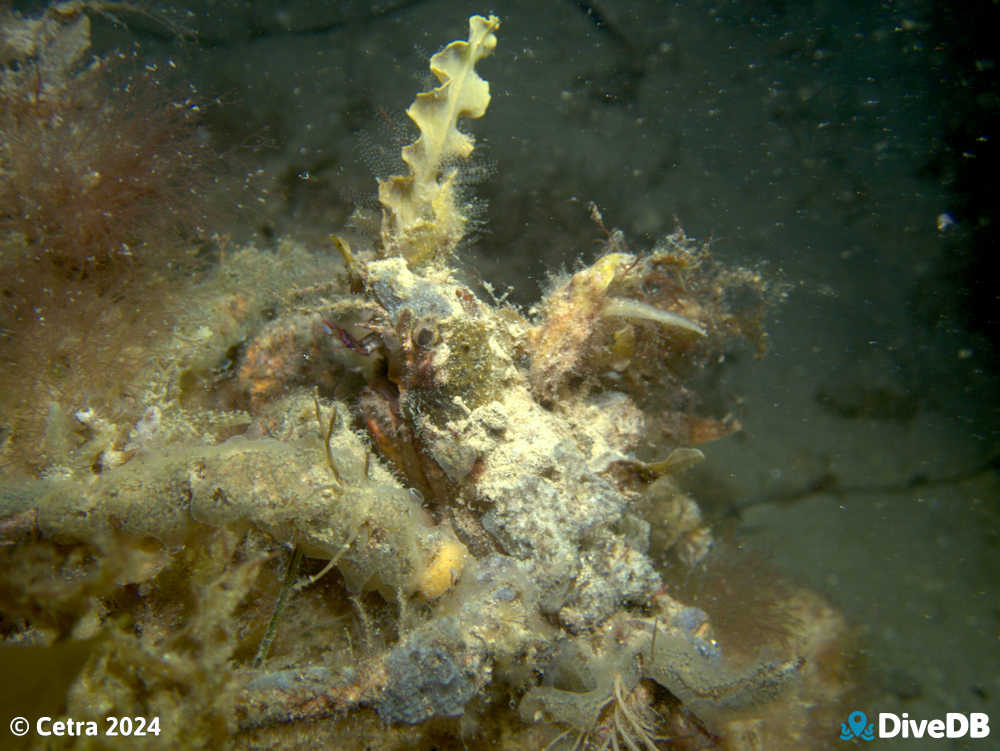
pixel 954 725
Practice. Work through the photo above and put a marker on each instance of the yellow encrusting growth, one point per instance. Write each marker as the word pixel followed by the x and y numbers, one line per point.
pixel 444 568
pixel 422 219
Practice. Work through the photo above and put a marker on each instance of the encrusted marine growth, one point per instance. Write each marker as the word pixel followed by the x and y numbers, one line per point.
pixel 477 480
pixel 538 465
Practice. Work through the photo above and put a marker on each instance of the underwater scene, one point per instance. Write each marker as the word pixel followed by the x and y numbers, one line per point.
pixel 562 376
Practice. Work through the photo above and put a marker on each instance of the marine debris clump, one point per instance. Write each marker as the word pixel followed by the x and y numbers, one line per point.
pixel 465 483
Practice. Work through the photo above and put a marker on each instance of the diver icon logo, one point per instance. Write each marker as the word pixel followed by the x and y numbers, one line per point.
pixel 857 726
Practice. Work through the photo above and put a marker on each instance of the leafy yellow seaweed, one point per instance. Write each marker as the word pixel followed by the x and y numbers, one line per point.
pixel 423 219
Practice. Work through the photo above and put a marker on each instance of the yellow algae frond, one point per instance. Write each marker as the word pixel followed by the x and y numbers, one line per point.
pixel 422 218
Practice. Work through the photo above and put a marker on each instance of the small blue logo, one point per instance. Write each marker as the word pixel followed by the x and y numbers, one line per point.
pixel 857 726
